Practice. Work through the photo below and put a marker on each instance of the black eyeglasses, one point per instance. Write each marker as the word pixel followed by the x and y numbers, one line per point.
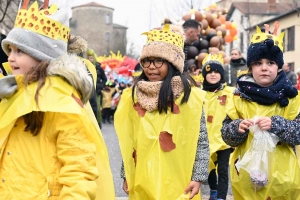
pixel 157 62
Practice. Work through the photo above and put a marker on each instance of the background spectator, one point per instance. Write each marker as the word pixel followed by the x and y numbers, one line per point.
pixel 192 30
pixel 101 80
pixel 235 68
pixel 298 80
pixel 290 74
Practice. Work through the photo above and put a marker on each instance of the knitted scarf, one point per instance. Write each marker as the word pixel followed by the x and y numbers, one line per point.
pixel 147 92
pixel 280 91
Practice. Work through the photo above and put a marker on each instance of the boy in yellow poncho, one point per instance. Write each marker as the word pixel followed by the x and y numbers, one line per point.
pixel 265 93
pixel 161 127
pixel 218 94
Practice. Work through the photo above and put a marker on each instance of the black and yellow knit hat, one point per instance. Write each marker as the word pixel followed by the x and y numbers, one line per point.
pixel 266 45
pixel 213 62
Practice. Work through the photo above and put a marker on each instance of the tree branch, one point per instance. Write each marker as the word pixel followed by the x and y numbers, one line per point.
pixel 5 10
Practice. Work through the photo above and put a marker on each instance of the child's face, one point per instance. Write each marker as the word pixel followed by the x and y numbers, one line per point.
pixel 91 58
pixel 19 61
pixel 264 72
pixel 156 69
pixel 235 54
pixel 213 77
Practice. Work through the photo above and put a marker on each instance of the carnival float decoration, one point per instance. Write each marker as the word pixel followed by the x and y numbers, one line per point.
pixel 118 63
pixel 215 33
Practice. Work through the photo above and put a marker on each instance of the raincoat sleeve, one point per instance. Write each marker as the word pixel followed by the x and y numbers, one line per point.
pixel 230 133
pixel 288 131
pixel 77 156
pixel 200 170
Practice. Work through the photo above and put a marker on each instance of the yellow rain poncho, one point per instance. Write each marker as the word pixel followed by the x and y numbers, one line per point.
pixel 151 172
pixel 91 68
pixel 284 173
pixel 55 97
pixel 216 113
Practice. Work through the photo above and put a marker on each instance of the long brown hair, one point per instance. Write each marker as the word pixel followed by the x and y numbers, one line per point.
pixel 34 120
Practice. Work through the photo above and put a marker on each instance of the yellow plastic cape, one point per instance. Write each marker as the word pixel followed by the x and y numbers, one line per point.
pixel 284 174
pixel 7 68
pixel 158 174
pixel 216 113
pixel 298 153
pixel 91 69
pixel 56 99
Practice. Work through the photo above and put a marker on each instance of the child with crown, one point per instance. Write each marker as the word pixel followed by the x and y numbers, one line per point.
pixel 50 144
pixel 218 94
pixel 160 124
pixel 265 98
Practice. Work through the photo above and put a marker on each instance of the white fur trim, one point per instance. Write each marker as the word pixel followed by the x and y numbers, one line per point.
pixel 75 72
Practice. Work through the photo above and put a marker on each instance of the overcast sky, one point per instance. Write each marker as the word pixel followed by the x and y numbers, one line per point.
pixel 142 15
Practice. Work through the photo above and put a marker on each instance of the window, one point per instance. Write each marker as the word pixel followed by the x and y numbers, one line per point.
pixel 242 42
pixel 107 37
pixel 107 19
pixel 292 66
pixel 242 20
pixel 290 39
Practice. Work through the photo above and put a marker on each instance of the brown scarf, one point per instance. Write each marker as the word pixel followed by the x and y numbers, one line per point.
pixel 147 92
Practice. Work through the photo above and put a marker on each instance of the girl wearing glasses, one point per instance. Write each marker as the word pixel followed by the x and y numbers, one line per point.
pixel 161 127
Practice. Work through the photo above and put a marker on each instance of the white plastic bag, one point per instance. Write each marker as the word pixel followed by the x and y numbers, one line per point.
pixel 256 161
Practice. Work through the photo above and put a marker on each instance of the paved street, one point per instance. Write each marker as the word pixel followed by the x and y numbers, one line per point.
pixel 111 140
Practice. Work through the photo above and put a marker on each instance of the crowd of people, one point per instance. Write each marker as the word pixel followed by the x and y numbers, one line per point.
pixel 174 133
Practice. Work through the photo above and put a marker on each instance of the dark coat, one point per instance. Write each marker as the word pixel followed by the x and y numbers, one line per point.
pixel 232 70
pixel 101 78
pixel 3 56
pixel 94 105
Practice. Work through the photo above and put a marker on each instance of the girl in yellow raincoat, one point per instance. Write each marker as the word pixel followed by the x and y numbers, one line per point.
pixel 265 93
pixel 164 146
pixel 217 95
pixel 49 146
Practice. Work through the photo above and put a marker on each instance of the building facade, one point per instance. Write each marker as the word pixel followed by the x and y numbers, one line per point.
pixel 246 14
pixel 290 25
pixel 94 22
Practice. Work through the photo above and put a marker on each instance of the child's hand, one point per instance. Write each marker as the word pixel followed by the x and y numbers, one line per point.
pixel 264 123
pixel 193 187
pixel 244 125
pixel 125 187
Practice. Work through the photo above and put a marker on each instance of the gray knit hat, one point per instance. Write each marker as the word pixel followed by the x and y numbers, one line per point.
pixel 49 42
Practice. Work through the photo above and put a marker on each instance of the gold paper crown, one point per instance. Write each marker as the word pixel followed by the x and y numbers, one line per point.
pixel 164 35
pixel 213 58
pixel 136 73
pixel 259 36
pixel 198 78
pixel 38 21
